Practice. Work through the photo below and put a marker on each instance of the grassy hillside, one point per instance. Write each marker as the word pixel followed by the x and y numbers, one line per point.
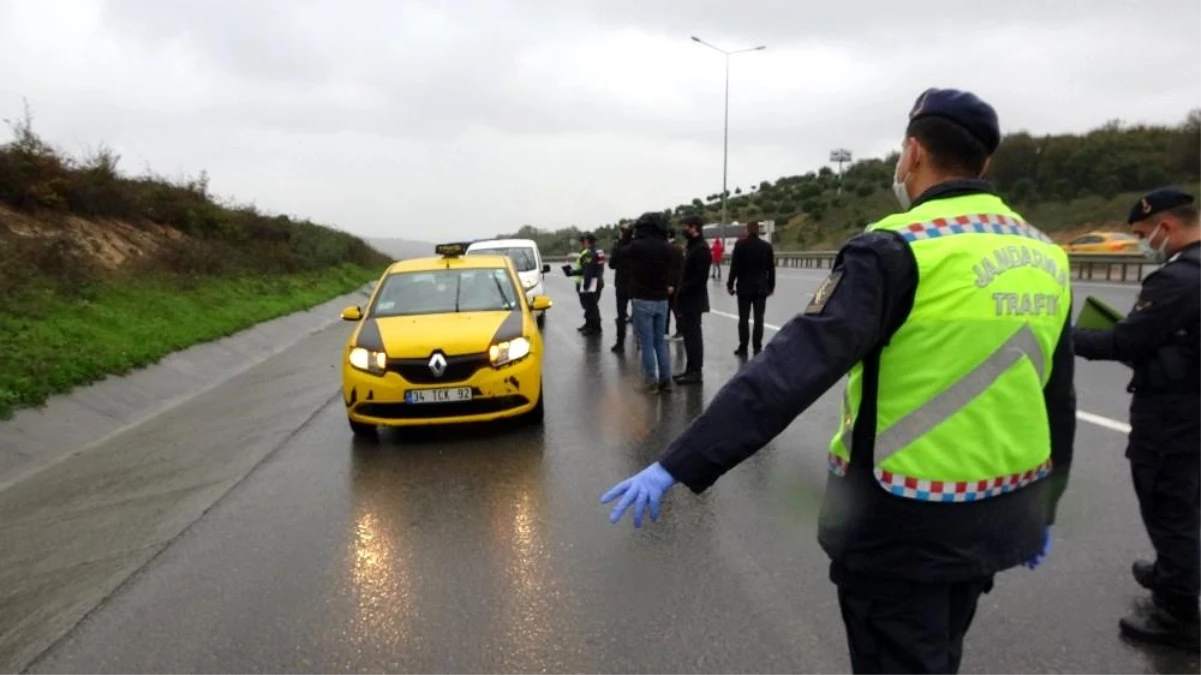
pixel 101 273
pixel 1063 183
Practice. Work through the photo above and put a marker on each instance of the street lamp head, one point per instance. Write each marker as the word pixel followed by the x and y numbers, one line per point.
pixel 760 47
pixel 695 39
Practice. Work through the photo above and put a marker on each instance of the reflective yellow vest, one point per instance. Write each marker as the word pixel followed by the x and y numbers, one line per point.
pixel 960 413
pixel 577 267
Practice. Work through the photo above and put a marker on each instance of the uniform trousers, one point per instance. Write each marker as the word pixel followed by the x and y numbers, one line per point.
pixel 896 626
pixel 1168 486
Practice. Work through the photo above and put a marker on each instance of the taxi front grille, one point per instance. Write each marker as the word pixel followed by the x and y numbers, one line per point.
pixel 479 406
pixel 458 368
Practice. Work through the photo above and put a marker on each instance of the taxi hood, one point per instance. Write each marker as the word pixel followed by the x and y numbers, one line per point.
pixel 453 333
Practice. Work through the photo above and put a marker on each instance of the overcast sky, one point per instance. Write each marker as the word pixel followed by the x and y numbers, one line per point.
pixel 457 118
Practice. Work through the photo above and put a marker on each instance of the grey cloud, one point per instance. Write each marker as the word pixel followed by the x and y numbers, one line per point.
pixel 381 115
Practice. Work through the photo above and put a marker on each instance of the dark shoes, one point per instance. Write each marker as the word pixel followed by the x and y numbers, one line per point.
pixel 1162 627
pixel 1172 621
pixel 686 378
pixel 1144 573
pixel 657 386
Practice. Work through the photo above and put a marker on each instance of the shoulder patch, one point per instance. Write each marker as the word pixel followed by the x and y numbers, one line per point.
pixel 822 296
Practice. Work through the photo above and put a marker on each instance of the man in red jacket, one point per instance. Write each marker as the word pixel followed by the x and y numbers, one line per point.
pixel 718 249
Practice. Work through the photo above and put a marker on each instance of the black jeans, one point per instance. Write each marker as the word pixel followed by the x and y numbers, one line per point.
pixel 1168 489
pixel 694 341
pixel 623 307
pixel 900 627
pixel 745 304
pixel 591 302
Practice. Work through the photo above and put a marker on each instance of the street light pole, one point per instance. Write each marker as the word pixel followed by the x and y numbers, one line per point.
pixel 725 152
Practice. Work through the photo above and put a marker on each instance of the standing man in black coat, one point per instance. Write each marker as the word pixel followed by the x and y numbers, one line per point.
pixel 753 279
pixel 692 298
pixel 619 262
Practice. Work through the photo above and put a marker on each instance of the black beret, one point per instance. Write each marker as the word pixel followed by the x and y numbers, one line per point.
pixel 963 108
pixel 1157 201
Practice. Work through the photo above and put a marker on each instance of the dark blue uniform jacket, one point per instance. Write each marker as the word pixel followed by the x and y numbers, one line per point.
pixel 865 530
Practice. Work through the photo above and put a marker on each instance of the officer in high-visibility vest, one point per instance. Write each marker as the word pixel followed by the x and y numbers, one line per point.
pixel 589 270
pixel 951 318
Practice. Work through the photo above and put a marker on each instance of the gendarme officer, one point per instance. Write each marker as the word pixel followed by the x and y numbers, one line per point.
pixel 951 318
pixel 1159 340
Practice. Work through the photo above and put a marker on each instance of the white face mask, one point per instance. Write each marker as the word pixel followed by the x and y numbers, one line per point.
pixel 1157 254
pixel 898 184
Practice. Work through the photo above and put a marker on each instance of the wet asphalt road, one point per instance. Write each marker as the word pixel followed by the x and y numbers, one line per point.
pixel 486 550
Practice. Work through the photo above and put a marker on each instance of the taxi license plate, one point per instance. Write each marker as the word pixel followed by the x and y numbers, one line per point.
pixel 454 395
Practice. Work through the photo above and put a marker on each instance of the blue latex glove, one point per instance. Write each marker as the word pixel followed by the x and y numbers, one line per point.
pixel 1041 555
pixel 647 487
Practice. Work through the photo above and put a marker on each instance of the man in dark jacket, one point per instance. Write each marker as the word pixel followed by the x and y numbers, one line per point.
pixel 1159 340
pixel 677 253
pixel 620 264
pixel 652 271
pixel 753 279
pixel 692 298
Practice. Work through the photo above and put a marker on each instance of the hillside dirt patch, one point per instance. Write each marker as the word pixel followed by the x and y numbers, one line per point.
pixel 111 244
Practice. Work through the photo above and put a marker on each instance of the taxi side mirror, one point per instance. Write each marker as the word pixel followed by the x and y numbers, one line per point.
pixel 352 313
pixel 546 268
pixel 541 303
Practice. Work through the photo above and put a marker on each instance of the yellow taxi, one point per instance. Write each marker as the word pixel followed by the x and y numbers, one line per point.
pixel 447 339
pixel 1103 242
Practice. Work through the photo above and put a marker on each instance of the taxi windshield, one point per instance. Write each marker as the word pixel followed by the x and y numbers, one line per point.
pixel 522 256
pixel 445 291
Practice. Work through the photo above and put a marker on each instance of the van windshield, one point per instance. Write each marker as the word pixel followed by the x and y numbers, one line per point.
pixel 522 256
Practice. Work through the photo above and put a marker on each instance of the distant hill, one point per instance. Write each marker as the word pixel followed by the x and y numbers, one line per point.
pixel 1063 183
pixel 400 249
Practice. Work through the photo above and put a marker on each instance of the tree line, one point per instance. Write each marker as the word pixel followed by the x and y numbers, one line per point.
pixel 1029 170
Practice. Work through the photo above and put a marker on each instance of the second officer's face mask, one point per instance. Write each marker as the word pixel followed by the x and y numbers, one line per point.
pixel 1156 253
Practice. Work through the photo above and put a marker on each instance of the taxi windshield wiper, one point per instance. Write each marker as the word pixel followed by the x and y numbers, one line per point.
pixel 504 299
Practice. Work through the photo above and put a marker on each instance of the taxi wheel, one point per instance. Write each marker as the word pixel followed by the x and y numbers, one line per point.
pixel 361 429
pixel 541 319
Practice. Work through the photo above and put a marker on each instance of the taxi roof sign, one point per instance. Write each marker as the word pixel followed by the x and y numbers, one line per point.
pixel 450 250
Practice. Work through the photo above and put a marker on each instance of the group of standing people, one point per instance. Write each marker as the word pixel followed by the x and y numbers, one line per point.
pixel 656 279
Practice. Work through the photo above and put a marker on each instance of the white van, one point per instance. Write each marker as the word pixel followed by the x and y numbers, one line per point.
pixel 526 258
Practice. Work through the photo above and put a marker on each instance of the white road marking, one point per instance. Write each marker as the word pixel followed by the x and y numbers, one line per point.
pixel 1082 415
pixel 1103 421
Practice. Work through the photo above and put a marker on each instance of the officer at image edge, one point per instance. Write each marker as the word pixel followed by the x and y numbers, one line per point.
pixel 968 348
pixel 1160 339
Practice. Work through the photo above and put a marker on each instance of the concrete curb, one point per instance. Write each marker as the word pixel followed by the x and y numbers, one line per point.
pixel 70 423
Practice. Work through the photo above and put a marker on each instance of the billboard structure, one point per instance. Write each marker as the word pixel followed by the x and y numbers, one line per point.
pixel 729 234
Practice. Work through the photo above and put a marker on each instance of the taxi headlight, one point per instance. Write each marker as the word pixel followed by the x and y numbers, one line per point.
pixel 509 351
pixel 369 361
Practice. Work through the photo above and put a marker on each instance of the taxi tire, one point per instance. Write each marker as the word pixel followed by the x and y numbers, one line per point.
pixel 541 319
pixel 361 428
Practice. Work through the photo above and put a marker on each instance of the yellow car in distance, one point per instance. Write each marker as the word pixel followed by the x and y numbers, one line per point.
pixel 1103 242
pixel 448 339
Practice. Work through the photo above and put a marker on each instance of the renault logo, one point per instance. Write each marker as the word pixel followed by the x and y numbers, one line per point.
pixel 437 364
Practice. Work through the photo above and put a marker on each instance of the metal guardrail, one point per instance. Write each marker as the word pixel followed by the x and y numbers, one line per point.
pixel 1114 267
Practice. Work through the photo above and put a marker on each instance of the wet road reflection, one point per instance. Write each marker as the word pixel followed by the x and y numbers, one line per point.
pixel 485 549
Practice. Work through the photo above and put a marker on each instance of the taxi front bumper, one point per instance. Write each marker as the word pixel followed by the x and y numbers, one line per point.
pixel 408 395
